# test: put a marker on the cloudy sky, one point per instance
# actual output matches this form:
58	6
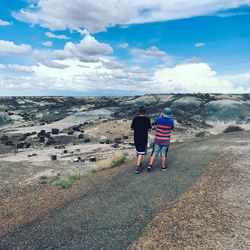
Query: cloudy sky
110	47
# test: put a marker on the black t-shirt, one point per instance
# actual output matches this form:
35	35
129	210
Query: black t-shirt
141	125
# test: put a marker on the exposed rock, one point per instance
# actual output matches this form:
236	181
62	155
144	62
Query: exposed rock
27	145
65	151
108	141
115	145
125	137
118	140
41	139
50	141
76	129
55	131
41	133
77	159
92	159
81	136
4	138
87	140
70	132
20	144
47	135
9	143
102	142
31	155
22	137
53	157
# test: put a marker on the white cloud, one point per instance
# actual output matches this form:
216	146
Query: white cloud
150	52
135	69
48	44
51	35
201	44
97	16
81	76
240	80
88	50
2	66
83	32
21	68
193	59
193	77
112	64
4	23
123	45
9	48
46	59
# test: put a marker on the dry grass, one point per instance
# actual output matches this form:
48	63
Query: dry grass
118	159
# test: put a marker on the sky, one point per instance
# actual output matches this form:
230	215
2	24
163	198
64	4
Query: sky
110	47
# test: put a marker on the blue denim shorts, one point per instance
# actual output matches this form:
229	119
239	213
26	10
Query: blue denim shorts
161	150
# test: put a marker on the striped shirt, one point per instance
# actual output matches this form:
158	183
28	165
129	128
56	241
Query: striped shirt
164	127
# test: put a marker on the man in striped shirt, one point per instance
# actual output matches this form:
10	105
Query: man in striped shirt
164	126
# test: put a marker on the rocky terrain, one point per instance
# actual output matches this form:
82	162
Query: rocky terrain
45	138
38	132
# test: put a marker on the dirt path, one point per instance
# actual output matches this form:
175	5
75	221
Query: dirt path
115	214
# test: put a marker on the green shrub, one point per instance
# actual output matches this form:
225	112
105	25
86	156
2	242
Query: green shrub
74	176
201	134
67	181
64	183
232	128
43	179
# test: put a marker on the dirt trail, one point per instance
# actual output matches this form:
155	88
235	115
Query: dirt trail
115	214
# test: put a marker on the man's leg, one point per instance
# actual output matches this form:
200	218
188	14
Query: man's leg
138	160
153	156
164	154
163	162
152	159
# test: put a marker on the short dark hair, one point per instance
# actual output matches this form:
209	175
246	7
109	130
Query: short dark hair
142	110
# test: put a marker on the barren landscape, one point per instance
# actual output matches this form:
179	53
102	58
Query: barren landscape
45	139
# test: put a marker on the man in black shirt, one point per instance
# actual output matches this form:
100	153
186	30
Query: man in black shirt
141	125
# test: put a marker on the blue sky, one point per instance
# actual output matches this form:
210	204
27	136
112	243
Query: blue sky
47	48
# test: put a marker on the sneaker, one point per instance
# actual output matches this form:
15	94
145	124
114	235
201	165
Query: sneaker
137	170
164	169
149	168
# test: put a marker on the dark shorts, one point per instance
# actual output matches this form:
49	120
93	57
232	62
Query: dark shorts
141	149
161	150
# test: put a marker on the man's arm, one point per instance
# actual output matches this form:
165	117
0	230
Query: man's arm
172	124
132	127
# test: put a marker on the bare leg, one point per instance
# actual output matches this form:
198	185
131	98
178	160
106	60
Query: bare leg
163	162
138	160
152	159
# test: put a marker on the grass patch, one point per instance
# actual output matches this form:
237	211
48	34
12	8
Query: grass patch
232	128
118	159
177	142
67	181
201	134
43	179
